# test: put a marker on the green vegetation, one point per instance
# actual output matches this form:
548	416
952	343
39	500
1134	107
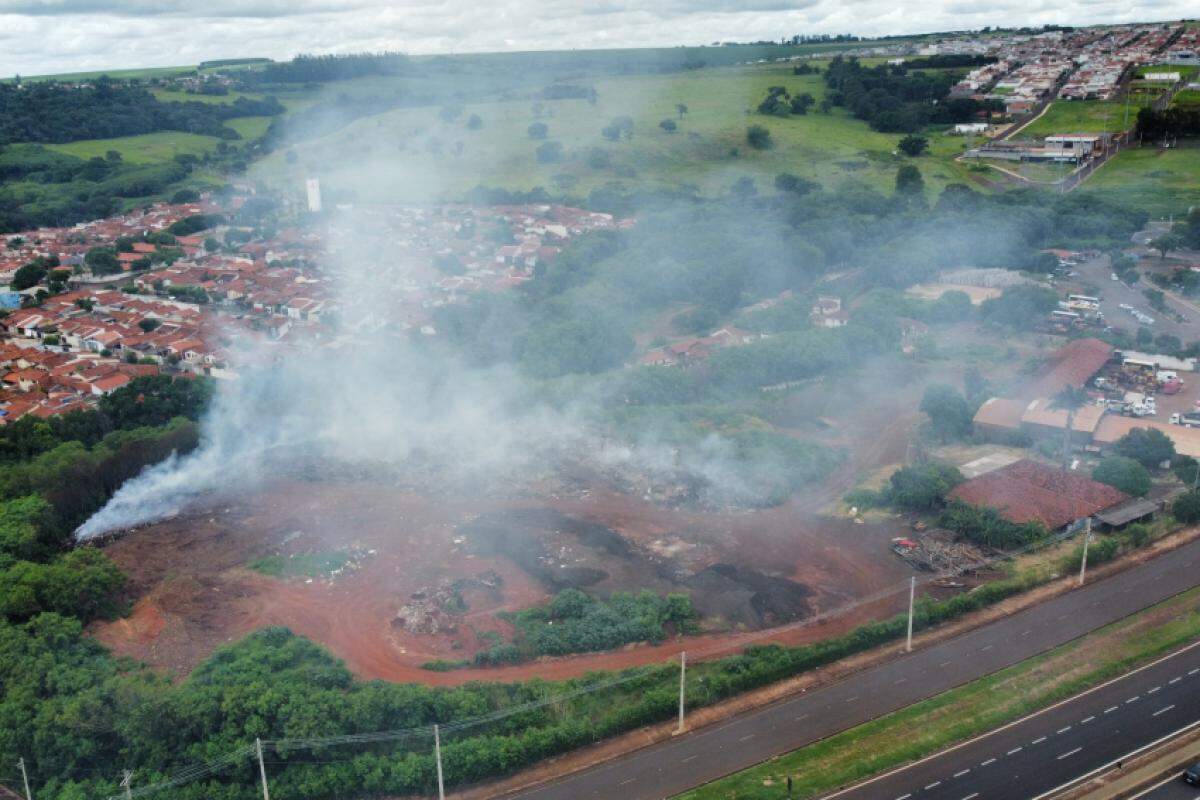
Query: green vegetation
574	622
985	526
1080	116
1162	182
981	705
305	565
146	148
1123	473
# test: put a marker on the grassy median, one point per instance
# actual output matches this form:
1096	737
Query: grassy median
969	710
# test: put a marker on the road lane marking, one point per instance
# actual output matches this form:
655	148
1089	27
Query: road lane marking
851	699
1174	680
627	780
1039	740
1132	699
1069	753
1061	731
902	680
747	736
989	761
971	796
1014	750
802	716
933	785
989	647
1026	633
1110	710
689	758
944	664
960	773
904	796
1193	671
1155	689
1163	710
1086	720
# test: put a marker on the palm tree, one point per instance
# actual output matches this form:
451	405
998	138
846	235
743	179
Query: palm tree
1070	399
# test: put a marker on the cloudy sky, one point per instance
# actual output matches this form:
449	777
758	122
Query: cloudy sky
48	36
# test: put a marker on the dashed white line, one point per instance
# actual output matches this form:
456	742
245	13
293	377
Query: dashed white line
1086	720
960	773
1061	731
1193	671
971	796
1014	750
902	680
933	785
984	649
904	796
627	780
1069	753
1155	689
802	716
944	664
851	699
1111	709
1163	710
1026	633
747	736
1039	740
1174	680
1133	699
689	758
989	761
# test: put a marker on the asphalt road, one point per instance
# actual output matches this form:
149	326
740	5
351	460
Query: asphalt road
1114	293
692	759
1172	789
1052	748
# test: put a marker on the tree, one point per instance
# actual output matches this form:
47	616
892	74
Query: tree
148	324
950	416
922	487
1148	446
801	103
102	260
681	109
759	137
28	276
909	182
668	125
787	182
1123	473
1186	507
538	130
913	144
1069	399
549	153
1019	306
1166	243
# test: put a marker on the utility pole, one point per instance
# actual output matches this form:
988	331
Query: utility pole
25	778
912	597
126	780
682	675
262	768
1087	537
437	752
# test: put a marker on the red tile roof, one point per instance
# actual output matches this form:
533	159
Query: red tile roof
1026	491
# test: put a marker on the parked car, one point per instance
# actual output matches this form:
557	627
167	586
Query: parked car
1192	774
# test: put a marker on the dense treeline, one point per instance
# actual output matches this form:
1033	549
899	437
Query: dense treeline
894	99
1174	121
324	68
55	113
948	61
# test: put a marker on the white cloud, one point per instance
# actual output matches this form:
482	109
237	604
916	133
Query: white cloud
47	36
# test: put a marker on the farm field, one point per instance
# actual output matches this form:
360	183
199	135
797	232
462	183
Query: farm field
146	148
1080	116
412	155
1161	181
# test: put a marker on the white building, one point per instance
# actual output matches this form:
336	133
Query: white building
314	194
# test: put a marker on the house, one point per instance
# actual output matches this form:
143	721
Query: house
1028	491
109	383
1075	144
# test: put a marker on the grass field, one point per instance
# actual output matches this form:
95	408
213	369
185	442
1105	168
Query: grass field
147	72
396	153
144	149
1161	181
250	127
971	709
1187	97
1081	116
173	96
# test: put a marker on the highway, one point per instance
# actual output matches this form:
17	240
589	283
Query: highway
1051	748
1172	789
692	759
